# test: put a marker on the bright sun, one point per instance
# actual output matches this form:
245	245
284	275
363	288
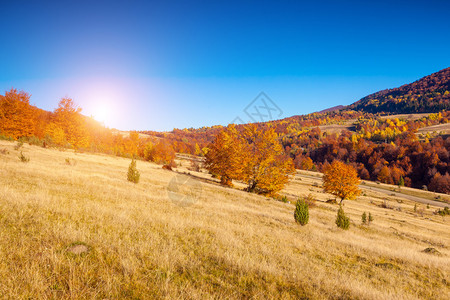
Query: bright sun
102	112
102	97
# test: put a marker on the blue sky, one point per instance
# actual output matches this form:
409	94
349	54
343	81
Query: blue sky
157	65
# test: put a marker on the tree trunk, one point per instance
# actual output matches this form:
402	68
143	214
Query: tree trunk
251	185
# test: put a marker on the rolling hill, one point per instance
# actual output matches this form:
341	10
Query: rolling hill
428	94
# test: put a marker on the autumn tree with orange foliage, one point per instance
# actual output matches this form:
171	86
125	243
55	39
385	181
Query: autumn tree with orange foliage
223	157
16	114
385	175
254	156
164	153
440	183
304	163
341	180
266	165
67	125
132	144
161	153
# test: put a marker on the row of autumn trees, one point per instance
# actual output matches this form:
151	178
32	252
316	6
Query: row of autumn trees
256	157
249	154
67	127
19	119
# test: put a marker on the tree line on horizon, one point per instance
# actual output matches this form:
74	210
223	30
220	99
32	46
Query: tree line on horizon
66	127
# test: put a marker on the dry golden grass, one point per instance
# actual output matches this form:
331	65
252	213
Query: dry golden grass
443	129
440	197
336	128
126	134
405	116
83	231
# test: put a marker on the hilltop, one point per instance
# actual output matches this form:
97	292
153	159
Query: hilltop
428	94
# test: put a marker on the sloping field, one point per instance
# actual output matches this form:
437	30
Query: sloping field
126	134
408	117
443	129
72	226
335	128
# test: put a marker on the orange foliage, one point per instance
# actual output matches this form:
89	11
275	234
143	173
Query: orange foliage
161	153
223	158
253	156
341	180
385	175
266	166
440	183
307	164
16	114
67	125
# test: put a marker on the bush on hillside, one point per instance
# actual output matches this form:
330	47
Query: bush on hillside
310	200
364	218
133	174
71	161
342	221
301	214
444	212
23	158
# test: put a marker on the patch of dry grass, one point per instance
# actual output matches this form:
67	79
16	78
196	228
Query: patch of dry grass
409	117
132	241
410	191
442	130
336	128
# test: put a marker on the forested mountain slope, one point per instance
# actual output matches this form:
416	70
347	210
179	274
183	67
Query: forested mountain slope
428	94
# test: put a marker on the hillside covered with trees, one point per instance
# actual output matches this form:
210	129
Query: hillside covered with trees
428	94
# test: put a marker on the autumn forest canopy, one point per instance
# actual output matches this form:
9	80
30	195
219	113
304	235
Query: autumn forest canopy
263	155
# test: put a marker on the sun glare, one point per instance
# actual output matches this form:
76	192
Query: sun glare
100	103
101	112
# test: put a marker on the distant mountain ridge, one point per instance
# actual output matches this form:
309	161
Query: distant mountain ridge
331	109
428	94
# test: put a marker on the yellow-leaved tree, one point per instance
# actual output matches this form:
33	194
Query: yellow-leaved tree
223	158
56	133
67	118
253	156
266	167
341	180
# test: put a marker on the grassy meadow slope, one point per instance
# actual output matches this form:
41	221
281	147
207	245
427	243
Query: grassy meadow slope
137	243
